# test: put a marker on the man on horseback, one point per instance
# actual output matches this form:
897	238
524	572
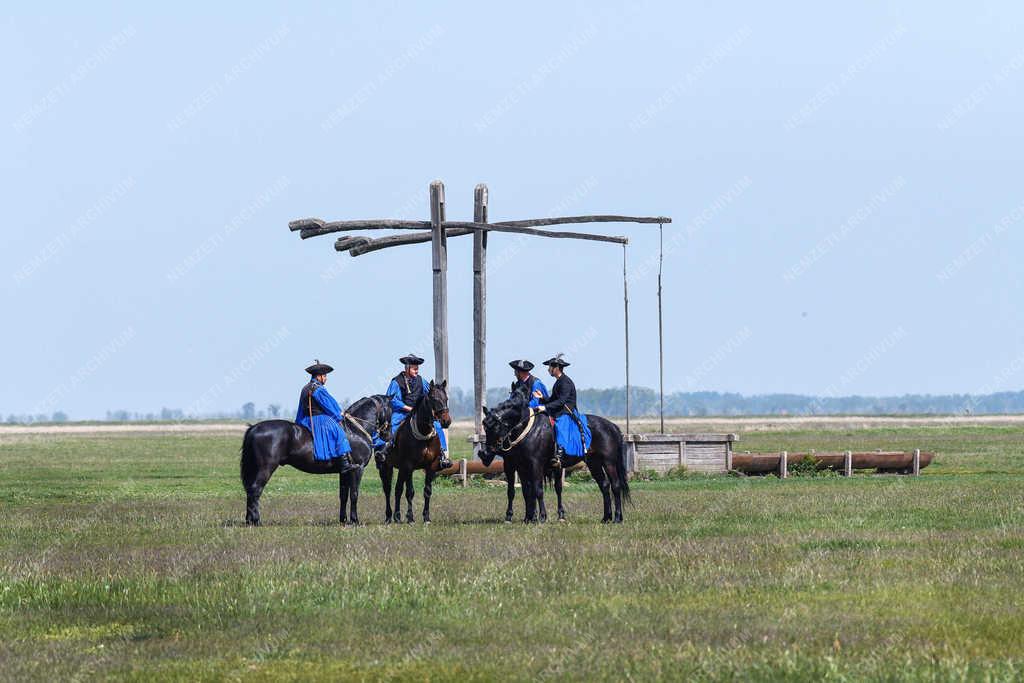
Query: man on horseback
321	415
405	391
524	378
572	434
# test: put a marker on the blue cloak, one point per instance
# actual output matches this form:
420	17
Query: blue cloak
329	439
567	434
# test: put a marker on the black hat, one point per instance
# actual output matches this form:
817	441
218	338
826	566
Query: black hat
523	365
319	368
557	361
411	359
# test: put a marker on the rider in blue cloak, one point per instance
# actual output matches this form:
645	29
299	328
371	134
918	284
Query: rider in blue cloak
321	415
572	433
405	390
524	378
533	386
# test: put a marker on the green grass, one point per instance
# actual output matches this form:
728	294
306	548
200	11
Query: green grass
123	557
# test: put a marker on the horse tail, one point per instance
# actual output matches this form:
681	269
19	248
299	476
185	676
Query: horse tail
247	460
622	473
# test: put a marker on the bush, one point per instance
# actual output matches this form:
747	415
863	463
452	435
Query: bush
808	467
646	475
579	476
677	472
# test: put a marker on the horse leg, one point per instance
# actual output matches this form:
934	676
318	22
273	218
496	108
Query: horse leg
558	492
613	478
344	484
597	472
399	484
357	480
428	488
510	485
529	500
386	473
410	492
253	491
540	500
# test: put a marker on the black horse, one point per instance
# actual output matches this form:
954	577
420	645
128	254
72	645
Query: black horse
415	447
268	445
526	446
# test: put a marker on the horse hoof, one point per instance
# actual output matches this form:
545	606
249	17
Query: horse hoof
606	520
426	522
561	518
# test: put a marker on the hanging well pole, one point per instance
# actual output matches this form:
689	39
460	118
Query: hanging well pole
661	339
479	308
439	262
625	303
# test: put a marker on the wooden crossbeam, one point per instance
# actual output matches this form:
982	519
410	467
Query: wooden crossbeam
314	227
464	228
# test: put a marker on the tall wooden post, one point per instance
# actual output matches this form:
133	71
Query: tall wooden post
439	261
479	307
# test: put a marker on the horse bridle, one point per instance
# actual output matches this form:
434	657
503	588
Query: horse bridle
507	443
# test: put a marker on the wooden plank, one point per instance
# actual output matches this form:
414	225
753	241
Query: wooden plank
480	201
439	263
783	465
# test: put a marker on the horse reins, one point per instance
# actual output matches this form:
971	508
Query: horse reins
522	435
355	423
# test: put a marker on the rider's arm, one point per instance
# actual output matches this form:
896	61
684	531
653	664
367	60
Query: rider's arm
327	402
538	386
395	394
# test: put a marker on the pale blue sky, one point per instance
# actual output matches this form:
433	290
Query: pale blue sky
837	177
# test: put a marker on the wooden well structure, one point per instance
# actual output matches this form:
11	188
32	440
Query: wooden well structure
700	452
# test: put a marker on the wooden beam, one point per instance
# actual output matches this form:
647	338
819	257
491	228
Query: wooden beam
480	199
439	263
459	228
314	227
392	241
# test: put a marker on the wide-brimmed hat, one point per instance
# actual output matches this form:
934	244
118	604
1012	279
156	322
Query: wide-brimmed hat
558	361
522	365
411	359
319	368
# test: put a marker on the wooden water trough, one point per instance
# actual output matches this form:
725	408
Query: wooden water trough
885	462
707	453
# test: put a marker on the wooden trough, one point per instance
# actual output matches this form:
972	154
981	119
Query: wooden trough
889	462
707	453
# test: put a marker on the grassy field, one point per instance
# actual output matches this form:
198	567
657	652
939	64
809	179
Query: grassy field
122	556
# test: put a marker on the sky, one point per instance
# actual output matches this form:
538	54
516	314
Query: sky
843	182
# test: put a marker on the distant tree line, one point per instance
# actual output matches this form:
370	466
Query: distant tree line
644	402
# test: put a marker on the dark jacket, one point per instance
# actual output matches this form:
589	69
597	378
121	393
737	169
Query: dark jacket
563	397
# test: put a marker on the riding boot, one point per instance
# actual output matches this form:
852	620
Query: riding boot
345	464
445	462
556	459
380	456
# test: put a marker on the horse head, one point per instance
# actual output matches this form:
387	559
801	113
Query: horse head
383	412
499	422
437	398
